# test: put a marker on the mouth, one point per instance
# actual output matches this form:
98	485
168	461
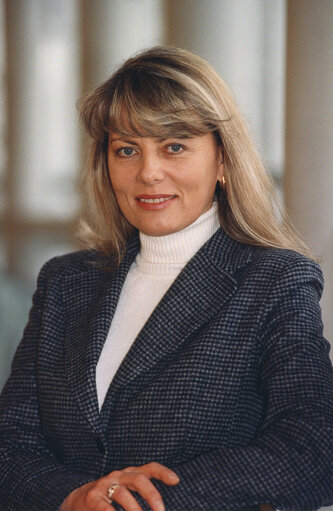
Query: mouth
155	199
151	202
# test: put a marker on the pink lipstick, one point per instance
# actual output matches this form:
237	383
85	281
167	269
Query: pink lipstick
155	202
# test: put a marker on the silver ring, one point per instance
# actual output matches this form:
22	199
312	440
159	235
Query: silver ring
111	491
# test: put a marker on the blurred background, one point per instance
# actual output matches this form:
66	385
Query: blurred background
275	55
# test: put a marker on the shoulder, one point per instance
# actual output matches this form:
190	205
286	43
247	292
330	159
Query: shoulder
282	273
77	261
88	261
263	266
284	265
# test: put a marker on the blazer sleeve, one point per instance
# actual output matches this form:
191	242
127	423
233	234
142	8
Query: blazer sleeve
289	463
31	478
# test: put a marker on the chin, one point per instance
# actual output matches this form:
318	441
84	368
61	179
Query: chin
159	231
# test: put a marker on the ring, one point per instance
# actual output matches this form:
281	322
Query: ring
111	491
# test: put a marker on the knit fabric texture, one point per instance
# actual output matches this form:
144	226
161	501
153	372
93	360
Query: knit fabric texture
229	383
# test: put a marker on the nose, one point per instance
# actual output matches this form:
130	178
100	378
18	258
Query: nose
151	168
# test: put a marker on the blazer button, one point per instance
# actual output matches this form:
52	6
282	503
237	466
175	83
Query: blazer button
100	446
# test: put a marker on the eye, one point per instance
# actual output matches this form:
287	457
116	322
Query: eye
125	152
174	148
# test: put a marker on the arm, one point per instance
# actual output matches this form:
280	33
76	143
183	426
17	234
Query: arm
31	479
289	464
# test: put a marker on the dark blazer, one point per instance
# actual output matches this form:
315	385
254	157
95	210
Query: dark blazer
229	383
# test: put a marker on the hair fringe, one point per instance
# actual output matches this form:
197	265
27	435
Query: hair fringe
167	91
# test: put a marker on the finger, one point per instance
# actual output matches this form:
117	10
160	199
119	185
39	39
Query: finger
97	502
124	497
90	497
157	471
137	481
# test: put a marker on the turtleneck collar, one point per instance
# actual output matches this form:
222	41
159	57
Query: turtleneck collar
165	254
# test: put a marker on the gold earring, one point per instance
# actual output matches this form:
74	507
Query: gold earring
222	182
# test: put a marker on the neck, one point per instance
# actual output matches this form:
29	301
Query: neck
178	248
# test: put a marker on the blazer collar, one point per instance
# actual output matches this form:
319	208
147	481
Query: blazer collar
200	290
227	253
90	299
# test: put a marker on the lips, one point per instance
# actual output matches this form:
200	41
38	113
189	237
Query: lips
154	201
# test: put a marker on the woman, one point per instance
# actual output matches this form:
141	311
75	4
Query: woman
180	363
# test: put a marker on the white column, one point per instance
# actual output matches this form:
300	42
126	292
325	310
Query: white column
273	69
244	41
309	133
3	112
43	65
114	30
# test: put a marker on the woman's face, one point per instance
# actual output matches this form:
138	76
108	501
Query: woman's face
163	185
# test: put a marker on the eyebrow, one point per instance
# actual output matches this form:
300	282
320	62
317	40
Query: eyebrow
132	142
122	139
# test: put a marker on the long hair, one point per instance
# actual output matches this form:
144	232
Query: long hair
170	92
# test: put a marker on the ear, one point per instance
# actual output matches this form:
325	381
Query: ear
220	170
220	158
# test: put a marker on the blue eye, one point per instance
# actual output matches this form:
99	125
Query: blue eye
126	151
175	148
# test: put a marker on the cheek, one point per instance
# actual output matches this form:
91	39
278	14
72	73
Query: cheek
205	184
118	184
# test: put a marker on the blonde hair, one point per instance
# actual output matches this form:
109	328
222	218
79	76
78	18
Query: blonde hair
165	92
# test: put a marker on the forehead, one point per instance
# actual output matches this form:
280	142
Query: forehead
138	116
114	136
132	130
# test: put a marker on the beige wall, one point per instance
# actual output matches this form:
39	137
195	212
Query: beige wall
309	133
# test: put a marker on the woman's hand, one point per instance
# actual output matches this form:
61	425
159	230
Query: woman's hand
93	496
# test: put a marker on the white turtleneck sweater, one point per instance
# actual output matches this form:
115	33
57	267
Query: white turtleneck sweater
160	260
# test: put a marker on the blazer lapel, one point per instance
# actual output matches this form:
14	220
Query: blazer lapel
90	300
200	290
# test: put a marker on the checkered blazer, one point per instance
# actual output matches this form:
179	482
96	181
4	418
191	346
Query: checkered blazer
229	383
